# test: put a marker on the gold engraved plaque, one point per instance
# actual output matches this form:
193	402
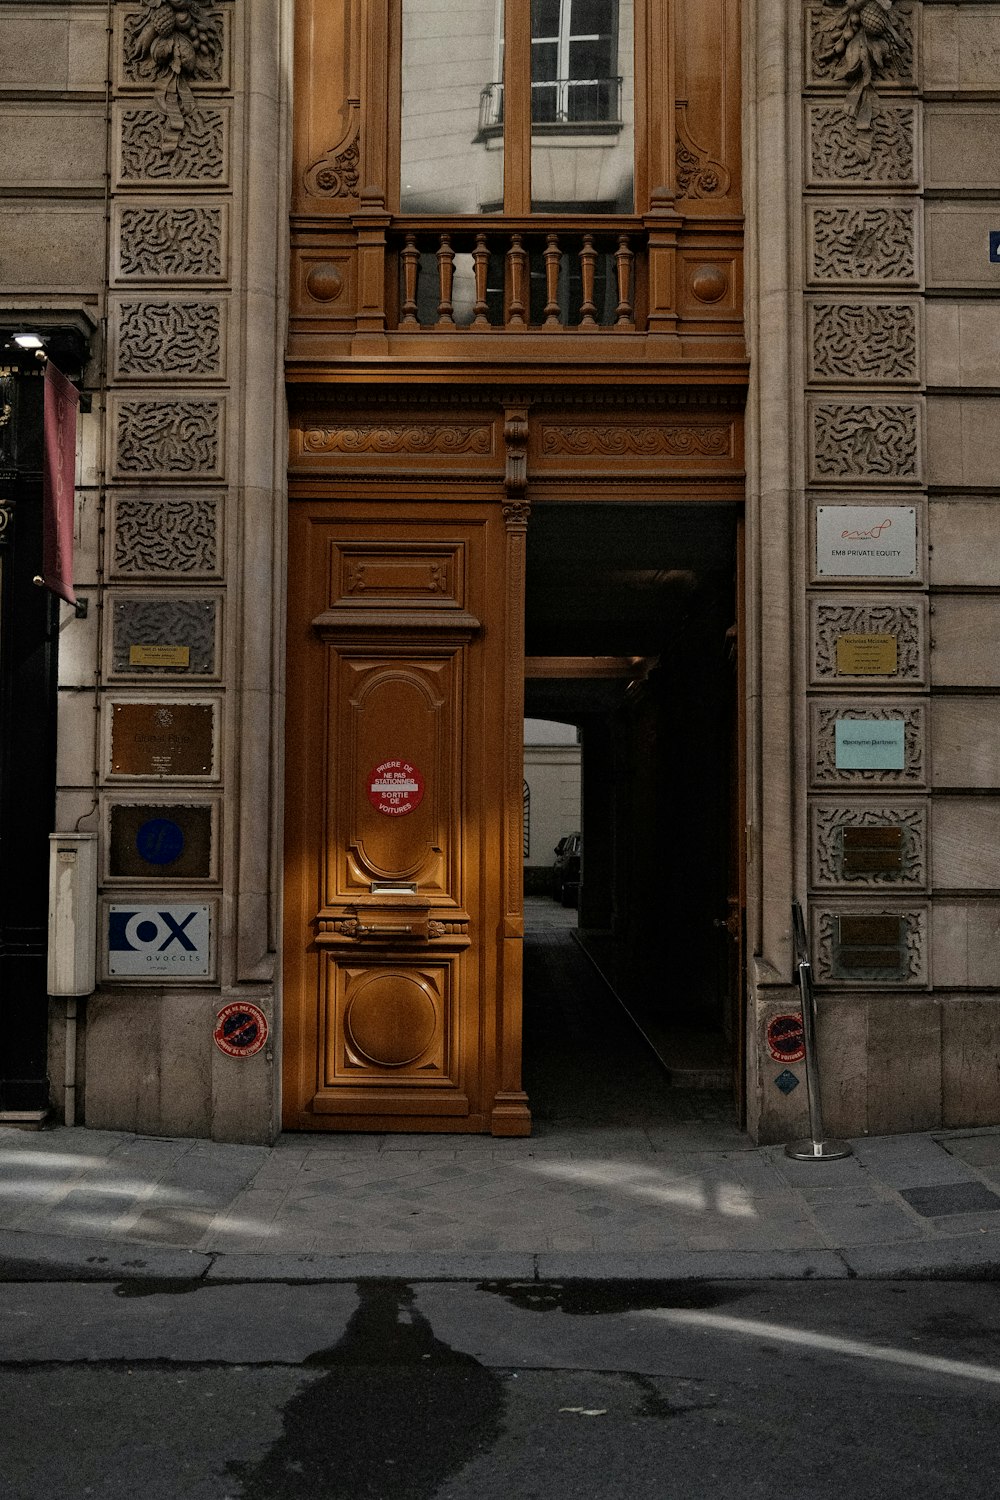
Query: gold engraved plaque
159	656
162	739
867	655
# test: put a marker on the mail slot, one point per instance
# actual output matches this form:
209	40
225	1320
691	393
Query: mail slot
872	850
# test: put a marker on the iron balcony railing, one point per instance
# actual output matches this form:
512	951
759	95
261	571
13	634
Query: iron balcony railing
559	103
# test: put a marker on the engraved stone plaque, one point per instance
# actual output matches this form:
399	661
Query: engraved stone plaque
867	849
866	655
162	739
163	840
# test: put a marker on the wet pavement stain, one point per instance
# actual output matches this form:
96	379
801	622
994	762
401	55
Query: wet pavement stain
394	1414
605	1298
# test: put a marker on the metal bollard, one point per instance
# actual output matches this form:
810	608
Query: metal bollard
818	1148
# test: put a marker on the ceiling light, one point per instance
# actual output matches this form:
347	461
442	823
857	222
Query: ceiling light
28	341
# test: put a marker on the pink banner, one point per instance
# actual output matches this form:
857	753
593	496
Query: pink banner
58	483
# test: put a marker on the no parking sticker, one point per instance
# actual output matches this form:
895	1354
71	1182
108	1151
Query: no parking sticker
395	788
240	1029
785	1038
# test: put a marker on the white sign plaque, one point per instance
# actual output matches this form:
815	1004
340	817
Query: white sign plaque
866	541
155	940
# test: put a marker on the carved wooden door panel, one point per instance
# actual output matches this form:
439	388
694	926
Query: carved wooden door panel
394	976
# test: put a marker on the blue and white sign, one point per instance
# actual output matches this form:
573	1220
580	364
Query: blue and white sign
870	744
995	247
156	941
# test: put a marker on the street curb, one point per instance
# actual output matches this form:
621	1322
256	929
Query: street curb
36	1257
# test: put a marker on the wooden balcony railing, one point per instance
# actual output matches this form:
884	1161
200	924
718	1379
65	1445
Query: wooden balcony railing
516	278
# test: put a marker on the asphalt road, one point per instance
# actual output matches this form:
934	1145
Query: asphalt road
454	1391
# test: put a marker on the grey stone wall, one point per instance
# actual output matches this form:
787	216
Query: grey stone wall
891	186
158	200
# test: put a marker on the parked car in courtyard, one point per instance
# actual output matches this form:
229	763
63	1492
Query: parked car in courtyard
566	870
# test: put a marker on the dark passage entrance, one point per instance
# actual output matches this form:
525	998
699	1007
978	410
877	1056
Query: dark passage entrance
631	635
585	1061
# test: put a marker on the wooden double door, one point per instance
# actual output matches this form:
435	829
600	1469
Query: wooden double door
403	907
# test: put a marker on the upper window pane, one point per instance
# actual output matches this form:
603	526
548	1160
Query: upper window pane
583	136
451	158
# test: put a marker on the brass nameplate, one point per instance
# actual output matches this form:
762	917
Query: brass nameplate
872	850
870	942
867	655
162	739
159	656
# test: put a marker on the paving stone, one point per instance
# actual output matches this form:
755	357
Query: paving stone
976	1150
954	1198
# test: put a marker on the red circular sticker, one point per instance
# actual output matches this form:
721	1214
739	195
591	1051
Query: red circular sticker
785	1038
395	788
240	1029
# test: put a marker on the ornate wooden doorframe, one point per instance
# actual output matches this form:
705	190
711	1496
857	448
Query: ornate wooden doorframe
404	920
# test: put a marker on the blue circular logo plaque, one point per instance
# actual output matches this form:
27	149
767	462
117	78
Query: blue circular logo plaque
159	841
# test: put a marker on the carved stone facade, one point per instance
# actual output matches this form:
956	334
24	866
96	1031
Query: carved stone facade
175	242
899	621
876	441
869	175
828	869
156	536
862	243
164	338
875	343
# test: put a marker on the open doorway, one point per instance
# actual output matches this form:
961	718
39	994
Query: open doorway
631	642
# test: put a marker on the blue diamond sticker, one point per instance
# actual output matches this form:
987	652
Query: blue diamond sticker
786	1081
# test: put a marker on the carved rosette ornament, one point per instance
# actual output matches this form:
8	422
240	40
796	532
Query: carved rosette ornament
179	41
860	43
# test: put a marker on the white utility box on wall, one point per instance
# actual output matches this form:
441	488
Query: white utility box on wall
72	967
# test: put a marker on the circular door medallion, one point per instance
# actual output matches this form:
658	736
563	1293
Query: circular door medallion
390	1020
395	788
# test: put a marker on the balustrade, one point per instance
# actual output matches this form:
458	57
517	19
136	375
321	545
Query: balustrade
516	279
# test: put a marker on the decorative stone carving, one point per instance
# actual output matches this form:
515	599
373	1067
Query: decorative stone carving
169	437
168	337
162	536
707	440
860	43
877	441
198	155
841	151
337	172
383	438
171	44
835	615
827	819
176	620
862	243
870	342
176	242
914	956
698	176
823	718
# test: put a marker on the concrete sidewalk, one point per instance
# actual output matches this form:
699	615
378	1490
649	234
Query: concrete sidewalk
677	1200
